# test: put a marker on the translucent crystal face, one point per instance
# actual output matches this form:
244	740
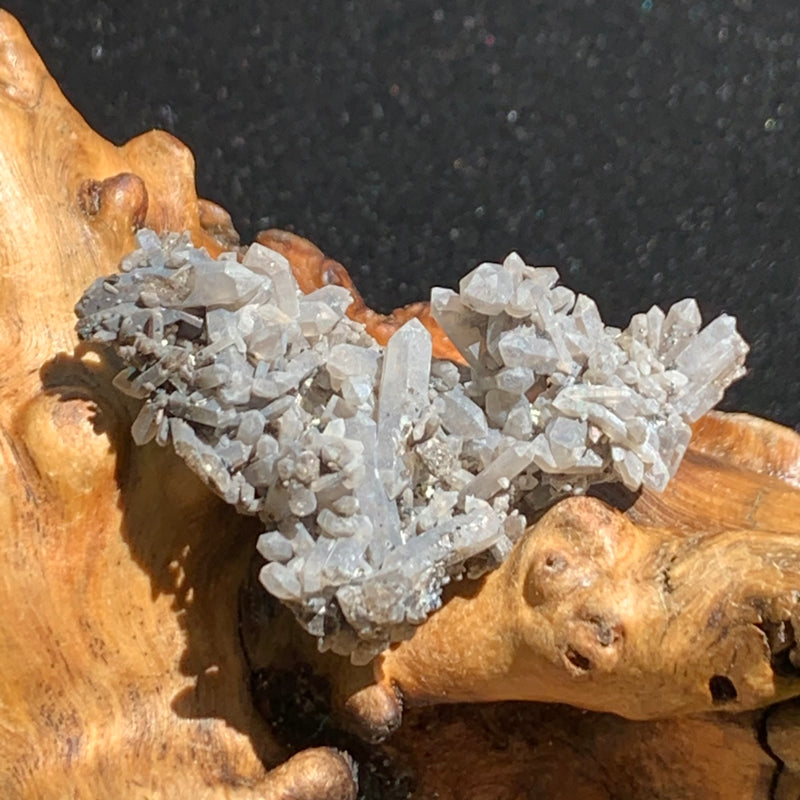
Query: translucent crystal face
381	473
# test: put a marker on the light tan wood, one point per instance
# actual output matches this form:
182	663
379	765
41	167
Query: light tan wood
123	674
598	612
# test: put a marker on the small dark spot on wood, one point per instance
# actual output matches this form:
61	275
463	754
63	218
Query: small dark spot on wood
783	647
605	633
578	660
73	747
665	576
89	197
555	562
722	689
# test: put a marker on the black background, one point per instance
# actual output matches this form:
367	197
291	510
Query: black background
648	148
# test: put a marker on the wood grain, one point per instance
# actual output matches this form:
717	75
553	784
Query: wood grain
124	672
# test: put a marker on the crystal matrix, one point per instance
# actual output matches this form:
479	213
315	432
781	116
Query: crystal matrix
380	473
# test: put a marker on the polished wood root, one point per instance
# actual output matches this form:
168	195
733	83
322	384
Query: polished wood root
122	674
134	647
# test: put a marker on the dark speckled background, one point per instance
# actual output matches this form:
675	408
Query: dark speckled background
651	149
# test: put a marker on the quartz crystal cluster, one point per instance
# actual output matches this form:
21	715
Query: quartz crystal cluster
381	473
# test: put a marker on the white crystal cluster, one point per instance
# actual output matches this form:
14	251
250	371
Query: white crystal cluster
591	402
380	473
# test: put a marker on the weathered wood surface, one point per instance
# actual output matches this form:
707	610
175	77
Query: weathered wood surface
122	674
123	671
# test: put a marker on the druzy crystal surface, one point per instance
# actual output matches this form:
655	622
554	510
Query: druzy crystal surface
380	474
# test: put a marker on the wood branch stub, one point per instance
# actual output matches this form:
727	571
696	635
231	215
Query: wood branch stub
595	611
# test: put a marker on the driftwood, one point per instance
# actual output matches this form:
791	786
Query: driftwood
124	673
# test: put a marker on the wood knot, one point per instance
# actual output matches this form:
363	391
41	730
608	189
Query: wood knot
119	200
592	642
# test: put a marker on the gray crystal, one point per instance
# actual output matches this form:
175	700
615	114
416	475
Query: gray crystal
234	453
475	532
334	525
526	294
715	352
296	532
346	506
591	462
267	262
261	472
681	324
543	455
461	416
439	509
461	324
306	468
440	454
444	375
270	385
380	474
567	439
302	501
269	338
316	318
229	287
358	392
347	561
497	475
313	577
347	360
211	376
251	426
562	299
280	581
370	492
523	348
335	297
628	466
237	388
587	317
403	395
145	425
122	381
198	455
274	546
514	380
519	422
499	405
487	289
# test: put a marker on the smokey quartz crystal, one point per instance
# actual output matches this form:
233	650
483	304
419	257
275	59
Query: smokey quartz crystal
381	474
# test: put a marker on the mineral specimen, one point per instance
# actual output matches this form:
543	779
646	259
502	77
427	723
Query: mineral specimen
382	474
